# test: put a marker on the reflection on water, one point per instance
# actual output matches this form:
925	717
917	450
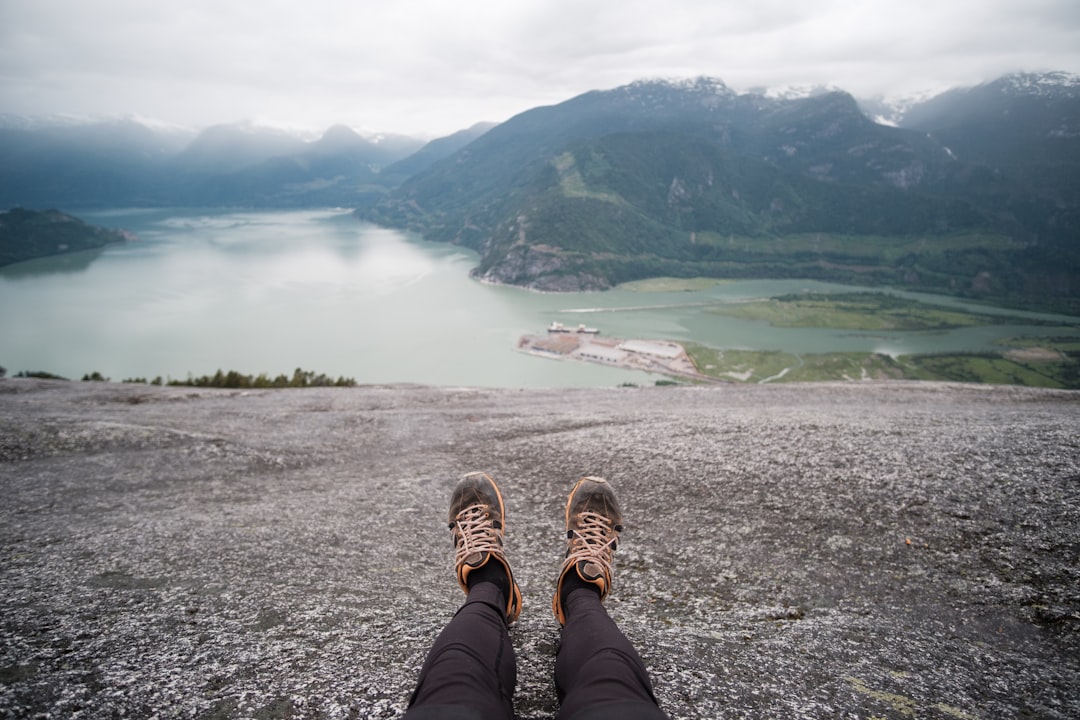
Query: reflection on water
272	291
75	262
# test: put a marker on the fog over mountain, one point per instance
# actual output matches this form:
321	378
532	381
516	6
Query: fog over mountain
61	160
126	163
428	68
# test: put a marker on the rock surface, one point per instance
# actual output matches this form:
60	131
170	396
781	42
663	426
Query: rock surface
834	550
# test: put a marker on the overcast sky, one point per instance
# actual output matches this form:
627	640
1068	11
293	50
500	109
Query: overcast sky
434	66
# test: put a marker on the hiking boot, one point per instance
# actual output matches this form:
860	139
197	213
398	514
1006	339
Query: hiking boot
593	524
476	527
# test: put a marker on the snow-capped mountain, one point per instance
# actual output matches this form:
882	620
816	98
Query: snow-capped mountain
916	110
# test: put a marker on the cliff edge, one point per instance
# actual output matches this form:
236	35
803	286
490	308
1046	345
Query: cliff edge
801	551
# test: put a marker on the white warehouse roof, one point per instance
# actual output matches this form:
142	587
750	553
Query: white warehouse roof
659	349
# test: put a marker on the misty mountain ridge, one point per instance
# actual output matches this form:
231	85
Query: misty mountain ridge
1049	85
127	163
76	162
892	109
232	147
434	151
46	158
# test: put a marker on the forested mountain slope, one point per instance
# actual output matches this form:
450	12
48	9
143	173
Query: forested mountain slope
693	178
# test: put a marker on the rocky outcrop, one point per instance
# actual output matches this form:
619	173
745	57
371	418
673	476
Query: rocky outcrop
538	268
798	551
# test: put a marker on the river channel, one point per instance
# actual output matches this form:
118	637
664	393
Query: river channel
202	290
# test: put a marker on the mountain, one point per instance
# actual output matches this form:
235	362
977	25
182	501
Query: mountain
127	163
227	148
435	150
973	192
268	168
27	234
693	178
82	164
1017	140
1024	126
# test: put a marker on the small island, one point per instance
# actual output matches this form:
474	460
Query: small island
28	234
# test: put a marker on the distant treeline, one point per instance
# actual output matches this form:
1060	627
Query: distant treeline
221	379
233	379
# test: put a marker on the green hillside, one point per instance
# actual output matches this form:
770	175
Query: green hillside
693	179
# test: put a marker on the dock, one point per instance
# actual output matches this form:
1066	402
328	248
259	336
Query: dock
663	357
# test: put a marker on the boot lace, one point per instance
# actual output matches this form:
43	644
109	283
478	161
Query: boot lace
475	532
593	540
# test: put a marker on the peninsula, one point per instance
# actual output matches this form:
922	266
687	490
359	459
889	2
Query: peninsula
28	234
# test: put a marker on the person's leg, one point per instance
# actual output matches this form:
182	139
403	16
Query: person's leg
597	667
470	671
471	665
598	673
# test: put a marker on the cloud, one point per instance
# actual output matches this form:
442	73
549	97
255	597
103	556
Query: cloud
431	66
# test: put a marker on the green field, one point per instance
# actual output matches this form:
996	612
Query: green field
880	250
760	366
1045	361
854	311
670	284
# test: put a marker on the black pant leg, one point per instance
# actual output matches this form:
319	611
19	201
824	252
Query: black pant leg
597	668
470	671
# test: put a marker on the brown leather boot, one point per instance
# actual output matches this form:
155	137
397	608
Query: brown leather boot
476	527
593	524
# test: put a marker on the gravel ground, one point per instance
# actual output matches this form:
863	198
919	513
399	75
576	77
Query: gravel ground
831	550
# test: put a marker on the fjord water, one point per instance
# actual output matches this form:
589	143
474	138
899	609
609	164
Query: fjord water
273	291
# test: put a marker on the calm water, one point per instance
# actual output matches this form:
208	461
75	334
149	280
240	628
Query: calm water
272	291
